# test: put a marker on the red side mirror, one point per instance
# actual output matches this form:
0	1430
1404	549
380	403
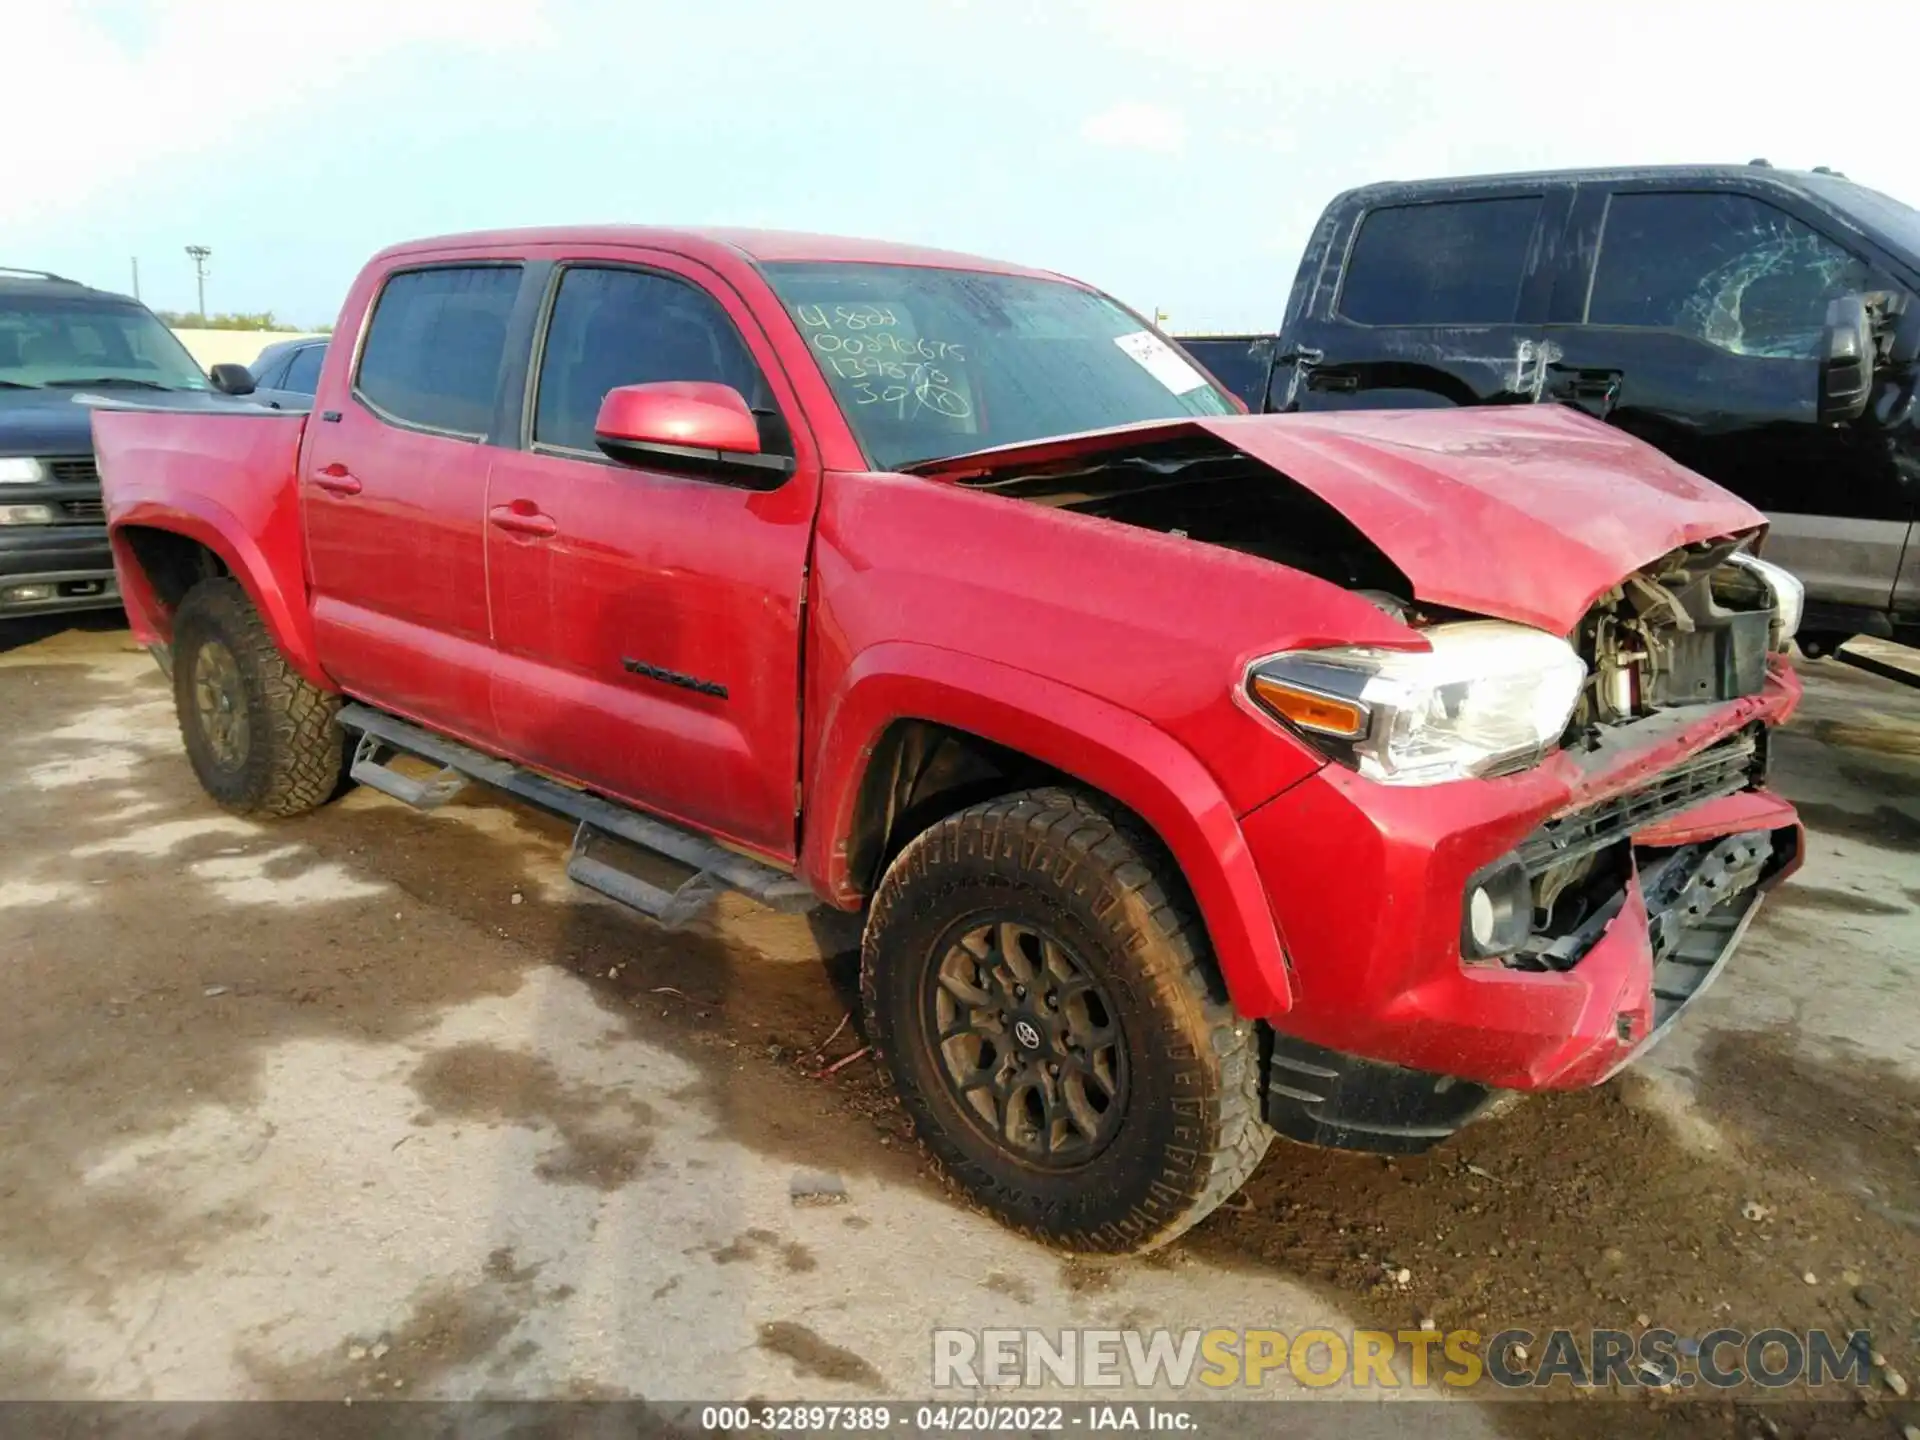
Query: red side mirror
696	414
687	425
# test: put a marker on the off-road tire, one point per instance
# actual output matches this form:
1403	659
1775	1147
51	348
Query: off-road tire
296	754
1191	1131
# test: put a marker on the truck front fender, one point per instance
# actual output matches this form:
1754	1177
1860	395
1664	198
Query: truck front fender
1107	748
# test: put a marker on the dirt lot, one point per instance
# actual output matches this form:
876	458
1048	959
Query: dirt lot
376	1103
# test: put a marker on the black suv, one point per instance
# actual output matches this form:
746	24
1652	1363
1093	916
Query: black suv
1759	325
63	346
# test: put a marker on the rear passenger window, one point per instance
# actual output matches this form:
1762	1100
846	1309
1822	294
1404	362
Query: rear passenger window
303	375
432	354
630	327
1727	269
1451	263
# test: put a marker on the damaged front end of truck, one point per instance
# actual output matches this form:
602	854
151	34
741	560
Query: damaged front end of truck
1695	629
1543	825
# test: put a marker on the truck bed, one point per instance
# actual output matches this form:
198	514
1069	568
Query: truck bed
226	457
225	478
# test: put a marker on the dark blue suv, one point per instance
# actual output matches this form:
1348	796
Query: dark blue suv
63	348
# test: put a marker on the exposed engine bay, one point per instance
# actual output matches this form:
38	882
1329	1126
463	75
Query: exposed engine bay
1212	493
1692	628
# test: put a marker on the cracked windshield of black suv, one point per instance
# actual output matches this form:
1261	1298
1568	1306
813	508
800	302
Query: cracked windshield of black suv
928	363
59	338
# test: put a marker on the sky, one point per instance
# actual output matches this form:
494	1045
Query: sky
1173	152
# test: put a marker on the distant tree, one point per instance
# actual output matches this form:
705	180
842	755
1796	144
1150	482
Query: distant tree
188	320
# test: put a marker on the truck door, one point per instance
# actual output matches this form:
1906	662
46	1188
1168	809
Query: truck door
1434	301
647	621
1694	322
393	487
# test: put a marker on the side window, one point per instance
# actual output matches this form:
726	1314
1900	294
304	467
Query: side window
630	327
432	353
303	374
1445	263
1239	364
266	369
1727	269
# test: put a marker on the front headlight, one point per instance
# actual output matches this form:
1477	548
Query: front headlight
26	514
21	470
1487	697
1789	596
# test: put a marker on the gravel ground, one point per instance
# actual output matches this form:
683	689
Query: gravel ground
376	1103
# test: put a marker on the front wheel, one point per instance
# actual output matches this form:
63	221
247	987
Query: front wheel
1042	992
261	739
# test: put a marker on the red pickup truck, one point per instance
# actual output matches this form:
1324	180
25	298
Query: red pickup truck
1202	775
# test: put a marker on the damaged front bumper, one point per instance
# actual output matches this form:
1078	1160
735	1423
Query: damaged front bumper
1396	1038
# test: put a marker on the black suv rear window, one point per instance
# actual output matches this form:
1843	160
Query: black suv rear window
1445	263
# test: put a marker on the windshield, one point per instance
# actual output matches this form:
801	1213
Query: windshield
1899	222
70	340
930	363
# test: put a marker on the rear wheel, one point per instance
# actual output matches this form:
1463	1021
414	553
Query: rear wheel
1037	983
261	739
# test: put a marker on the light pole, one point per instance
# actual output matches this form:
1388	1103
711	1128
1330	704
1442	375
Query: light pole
200	254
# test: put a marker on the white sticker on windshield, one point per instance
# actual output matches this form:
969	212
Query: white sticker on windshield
1161	361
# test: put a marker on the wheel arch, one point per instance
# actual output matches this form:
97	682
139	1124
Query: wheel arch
992	729
159	552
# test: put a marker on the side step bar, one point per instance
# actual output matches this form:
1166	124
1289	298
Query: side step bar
716	868
1875	665
671	908
369	768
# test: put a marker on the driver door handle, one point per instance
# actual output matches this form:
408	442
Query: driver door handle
335	479
520	518
1599	386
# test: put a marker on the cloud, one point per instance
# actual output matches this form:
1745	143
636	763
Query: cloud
1135	125
114	89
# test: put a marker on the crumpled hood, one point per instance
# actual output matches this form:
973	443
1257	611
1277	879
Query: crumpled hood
1522	513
